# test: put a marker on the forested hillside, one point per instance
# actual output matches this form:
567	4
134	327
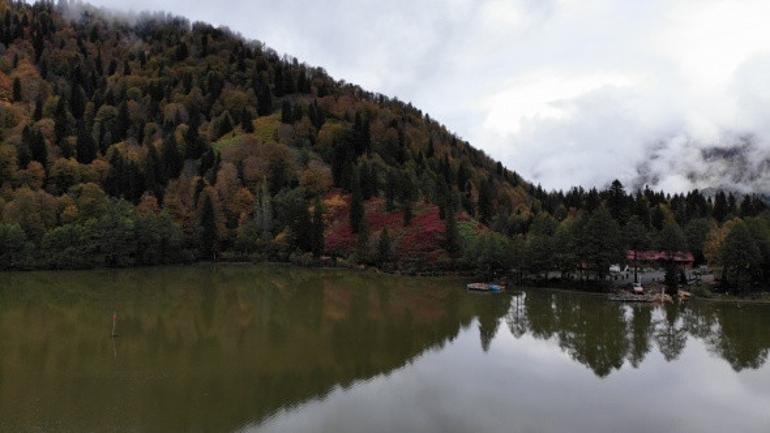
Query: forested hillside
150	140
204	143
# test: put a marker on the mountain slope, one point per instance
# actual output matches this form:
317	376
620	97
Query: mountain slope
217	143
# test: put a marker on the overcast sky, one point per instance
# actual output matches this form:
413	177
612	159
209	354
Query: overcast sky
563	91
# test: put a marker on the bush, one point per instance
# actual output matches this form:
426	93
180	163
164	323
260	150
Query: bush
15	251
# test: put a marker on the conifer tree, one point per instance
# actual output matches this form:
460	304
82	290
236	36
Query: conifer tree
384	247
37	147
266	212
122	122
208	229
636	240
407	198
732	205
16	90
194	144
301	225
286	112
362	242
171	159
318	229
316	115
616	202
264	98
115	182
23	153
155	173
86	148
225	125
38	113
356	204
77	101
247	122
485	201
720	207
451	234
391	187
181	51
61	121
431	149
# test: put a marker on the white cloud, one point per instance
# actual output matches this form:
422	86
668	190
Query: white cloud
563	91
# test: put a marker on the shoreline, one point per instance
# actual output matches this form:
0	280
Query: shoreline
761	298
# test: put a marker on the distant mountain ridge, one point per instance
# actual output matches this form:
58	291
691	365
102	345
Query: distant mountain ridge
738	164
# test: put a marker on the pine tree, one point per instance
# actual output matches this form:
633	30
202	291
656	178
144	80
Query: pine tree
208	229
369	180
37	147
23	153
86	148
362	242
16	90
431	149
720	207
316	115
195	147
267	212
318	229
732	205
740	256
747	207
181	52
616	202
264	98
391	187
122	122
343	162
38	113
301	225
61	121
77	101
155	172
384	247
225	125
286	112
356	204
200	185
171	159
636	240
485	202
407	198
361	134
451	233
247	122
671	240
115	182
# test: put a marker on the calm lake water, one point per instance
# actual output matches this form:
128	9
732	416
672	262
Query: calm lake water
281	349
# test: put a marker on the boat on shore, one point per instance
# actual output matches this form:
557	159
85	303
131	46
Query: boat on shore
485	287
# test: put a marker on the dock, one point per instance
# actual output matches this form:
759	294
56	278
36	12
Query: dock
659	298
629	297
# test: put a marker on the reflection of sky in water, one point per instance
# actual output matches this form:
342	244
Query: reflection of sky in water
531	385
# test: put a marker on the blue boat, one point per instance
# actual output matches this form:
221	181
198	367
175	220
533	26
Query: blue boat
485	287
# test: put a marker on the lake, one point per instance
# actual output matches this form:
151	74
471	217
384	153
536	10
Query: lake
266	348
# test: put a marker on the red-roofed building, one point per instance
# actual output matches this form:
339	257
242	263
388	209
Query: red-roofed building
682	258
